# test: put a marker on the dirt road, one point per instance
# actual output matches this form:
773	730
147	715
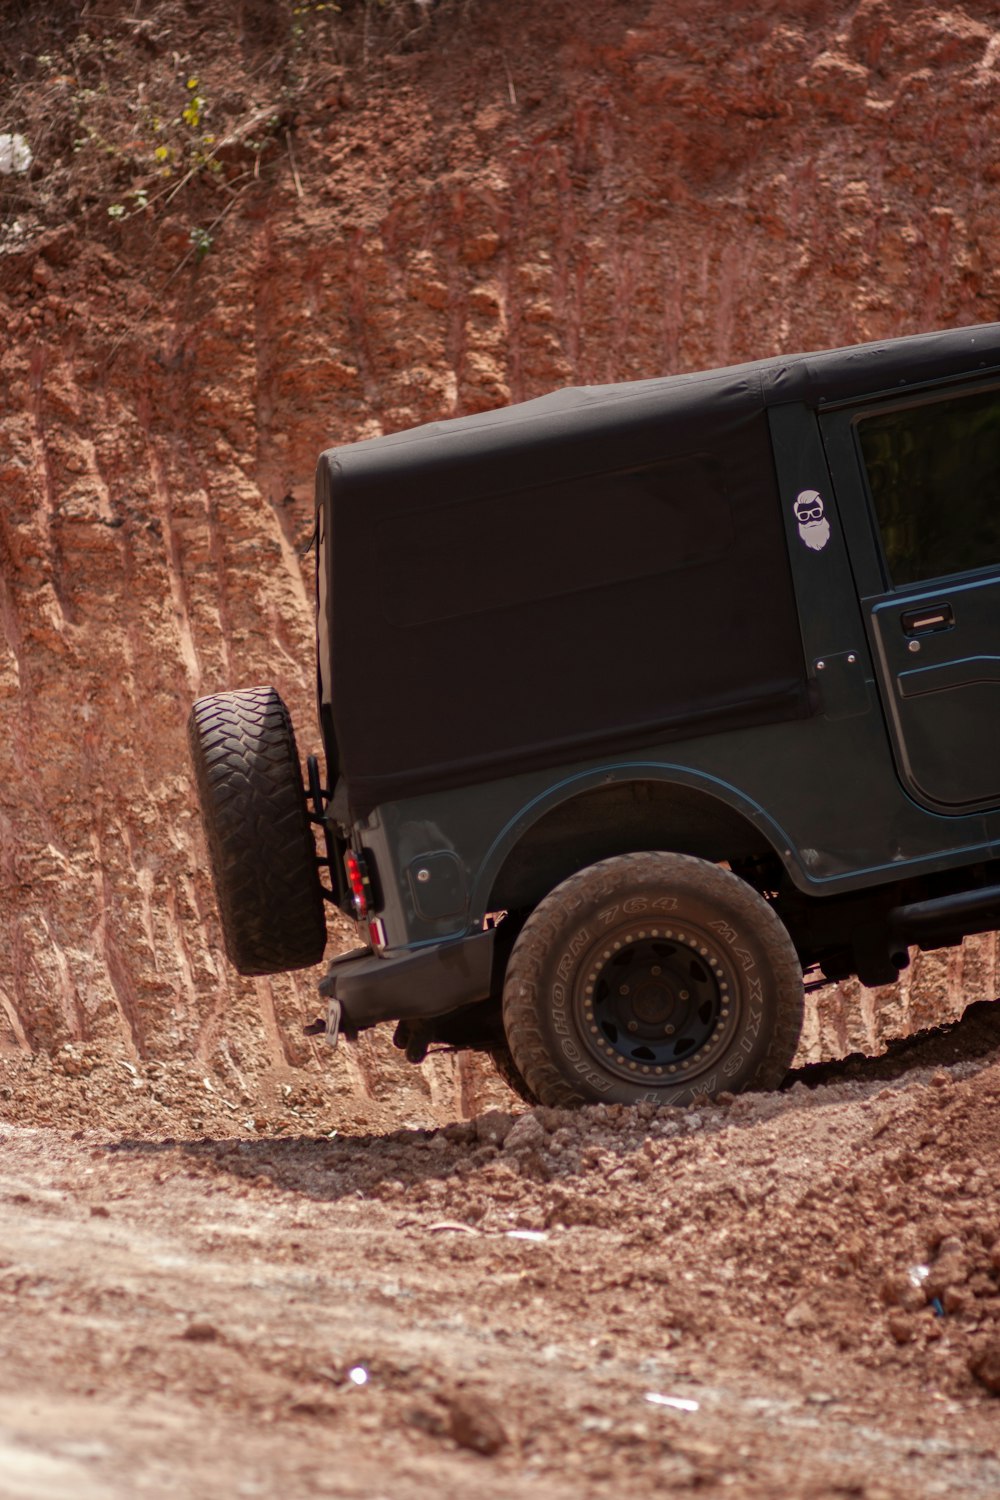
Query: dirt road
533	1303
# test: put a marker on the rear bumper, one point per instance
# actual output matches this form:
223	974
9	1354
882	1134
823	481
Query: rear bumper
411	985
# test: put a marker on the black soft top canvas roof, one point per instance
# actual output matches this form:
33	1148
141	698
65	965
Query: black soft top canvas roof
579	575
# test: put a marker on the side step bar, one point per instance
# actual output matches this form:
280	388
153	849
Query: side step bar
946	913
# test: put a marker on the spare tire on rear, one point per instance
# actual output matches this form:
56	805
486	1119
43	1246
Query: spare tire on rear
259	839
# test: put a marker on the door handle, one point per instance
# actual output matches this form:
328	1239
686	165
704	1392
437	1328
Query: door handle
926	621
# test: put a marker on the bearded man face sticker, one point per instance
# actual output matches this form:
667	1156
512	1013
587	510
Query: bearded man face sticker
814	528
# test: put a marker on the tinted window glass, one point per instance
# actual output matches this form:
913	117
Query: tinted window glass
934	475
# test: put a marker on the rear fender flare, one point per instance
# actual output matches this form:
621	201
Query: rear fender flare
720	791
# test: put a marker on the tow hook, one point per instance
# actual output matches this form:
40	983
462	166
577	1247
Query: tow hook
327	1026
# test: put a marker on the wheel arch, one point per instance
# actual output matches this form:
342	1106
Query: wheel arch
621	810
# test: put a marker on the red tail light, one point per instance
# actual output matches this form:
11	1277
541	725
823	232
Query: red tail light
357	879
357	882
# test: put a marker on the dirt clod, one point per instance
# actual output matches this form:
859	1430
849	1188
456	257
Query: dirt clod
801	1315
473	1423
493	1127
201	1332
902	1327
985	1366
526	1134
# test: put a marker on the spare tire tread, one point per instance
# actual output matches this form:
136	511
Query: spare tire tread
260	842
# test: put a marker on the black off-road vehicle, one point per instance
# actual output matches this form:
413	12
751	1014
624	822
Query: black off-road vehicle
637	702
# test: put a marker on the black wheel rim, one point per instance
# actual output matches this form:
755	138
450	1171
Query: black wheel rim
658	1005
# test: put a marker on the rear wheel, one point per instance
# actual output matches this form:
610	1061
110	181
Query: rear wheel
261	846
652	977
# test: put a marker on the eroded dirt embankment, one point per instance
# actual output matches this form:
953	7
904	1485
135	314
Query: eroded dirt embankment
352	237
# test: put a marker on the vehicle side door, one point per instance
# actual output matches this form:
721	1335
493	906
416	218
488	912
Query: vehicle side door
918	479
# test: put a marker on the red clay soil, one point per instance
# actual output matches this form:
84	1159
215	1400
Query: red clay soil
785	1295
250	231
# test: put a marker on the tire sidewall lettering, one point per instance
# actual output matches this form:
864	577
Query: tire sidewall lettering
727	933
565	1031
577	943
565	1040
637	906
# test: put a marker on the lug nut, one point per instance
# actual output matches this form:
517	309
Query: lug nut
685	995
623	989
633	1026
656	970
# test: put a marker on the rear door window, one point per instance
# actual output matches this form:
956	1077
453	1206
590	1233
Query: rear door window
933	471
